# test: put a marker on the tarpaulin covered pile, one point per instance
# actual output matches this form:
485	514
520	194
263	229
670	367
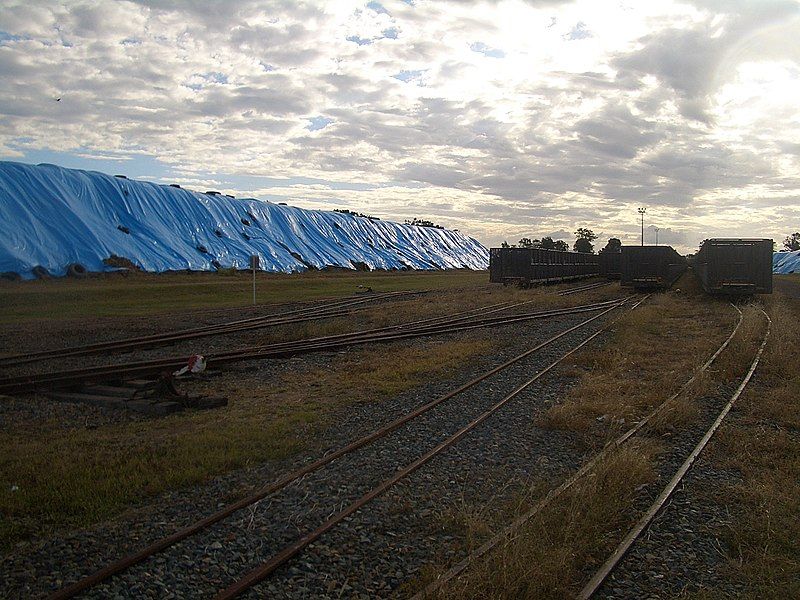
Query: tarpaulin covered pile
53	217
786	262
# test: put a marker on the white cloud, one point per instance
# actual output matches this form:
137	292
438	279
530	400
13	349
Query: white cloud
503	118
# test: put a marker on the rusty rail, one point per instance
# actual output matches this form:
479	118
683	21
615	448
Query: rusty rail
37	381
633	535
312	313
160	545
508	533
267	568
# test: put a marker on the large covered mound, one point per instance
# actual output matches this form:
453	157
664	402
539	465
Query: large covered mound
786	262
53	217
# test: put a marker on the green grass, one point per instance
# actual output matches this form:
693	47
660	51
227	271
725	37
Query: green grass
147	294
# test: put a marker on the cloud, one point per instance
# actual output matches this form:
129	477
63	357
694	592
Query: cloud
495	117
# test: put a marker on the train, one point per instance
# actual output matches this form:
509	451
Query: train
729	266
735	266
610	263
650	267
526	266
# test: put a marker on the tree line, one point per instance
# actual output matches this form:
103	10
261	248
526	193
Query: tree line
583	243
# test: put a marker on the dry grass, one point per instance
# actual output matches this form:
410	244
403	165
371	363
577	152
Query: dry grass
147	293
648	355
54	478
547	557
761	442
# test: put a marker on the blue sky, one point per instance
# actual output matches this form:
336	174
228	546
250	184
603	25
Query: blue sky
502	118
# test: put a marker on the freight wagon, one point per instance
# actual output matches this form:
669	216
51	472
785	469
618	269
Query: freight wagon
650	267
735	266
610	262
525	266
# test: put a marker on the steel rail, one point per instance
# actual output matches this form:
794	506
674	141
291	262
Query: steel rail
268	567
296	316
508	532
26	382
160	545
32	382
633	535
584	288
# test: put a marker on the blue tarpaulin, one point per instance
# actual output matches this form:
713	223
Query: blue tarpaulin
53	217
786	262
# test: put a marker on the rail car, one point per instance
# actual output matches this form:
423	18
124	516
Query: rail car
650	267
733	266
610	262
526	266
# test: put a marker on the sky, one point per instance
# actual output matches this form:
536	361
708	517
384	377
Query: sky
503	119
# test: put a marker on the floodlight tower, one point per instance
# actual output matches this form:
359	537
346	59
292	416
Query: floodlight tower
641	212
656	228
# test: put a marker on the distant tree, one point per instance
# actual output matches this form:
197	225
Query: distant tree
561	245
347	211
792	242
613	245
505	244
547	243
585	234
423	223
584	241
527	243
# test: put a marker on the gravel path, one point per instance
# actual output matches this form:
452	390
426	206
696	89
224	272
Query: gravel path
377	553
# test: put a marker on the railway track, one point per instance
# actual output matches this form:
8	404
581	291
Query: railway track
337	308
584	288
635	533
423	416
29	383
599	577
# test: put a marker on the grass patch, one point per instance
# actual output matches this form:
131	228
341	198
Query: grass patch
761	442
147	293
547	557
54	478
648	354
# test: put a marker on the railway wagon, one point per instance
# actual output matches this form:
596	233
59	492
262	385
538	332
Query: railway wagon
650	267
525	266
610	262
735	266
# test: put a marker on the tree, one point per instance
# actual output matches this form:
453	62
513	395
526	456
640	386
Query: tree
585	234
792	242
423	223
547	243
528	243
561	245
613	245
584	241
505	244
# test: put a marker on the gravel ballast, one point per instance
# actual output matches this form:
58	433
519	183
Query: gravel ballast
381	546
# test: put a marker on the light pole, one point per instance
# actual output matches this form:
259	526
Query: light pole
656	228
641	212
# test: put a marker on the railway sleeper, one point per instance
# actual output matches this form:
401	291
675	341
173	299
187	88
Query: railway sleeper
150	397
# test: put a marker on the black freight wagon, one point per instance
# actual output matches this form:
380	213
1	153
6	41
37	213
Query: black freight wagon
610	263
650	267
735	266
525	266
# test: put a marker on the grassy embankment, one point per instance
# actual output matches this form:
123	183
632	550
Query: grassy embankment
67	475
648	355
